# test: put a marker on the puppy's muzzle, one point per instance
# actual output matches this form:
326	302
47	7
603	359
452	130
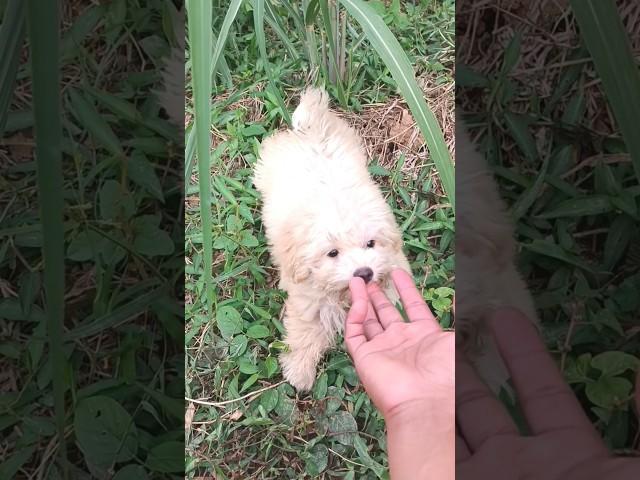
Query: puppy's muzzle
364	273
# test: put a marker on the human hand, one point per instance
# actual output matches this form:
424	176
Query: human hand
564	444
408	371
399	364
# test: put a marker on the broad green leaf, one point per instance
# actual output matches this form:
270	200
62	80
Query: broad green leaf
115	202
577	370
607	392
120	107
320	387
548	249
229	321
143	174
258	331
614	363
247	366
131	472
342	427
168	457
467	77
511	55
580	207
105	431
11	309
269	399
12	464
238	346
617	240
248	239
518	125
316	459
29	289
96	125
150	240
270	366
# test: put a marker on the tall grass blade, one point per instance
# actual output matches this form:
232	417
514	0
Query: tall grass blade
258	22
311	9
222	68
43	26
604	35
398	64
275	21
11	37
200	38
330	28
230	16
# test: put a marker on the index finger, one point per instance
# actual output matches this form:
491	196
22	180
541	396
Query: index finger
354	336
415	306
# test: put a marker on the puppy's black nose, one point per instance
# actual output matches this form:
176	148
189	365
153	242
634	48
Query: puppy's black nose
364	273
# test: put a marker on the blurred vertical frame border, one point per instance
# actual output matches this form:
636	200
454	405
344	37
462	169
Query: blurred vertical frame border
92	239
558	125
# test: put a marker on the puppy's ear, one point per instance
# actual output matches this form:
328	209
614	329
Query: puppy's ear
393	238
299	271
294	264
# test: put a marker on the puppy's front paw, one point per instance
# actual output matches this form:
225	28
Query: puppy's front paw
298	370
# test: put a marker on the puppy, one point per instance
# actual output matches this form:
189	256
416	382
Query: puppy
486	276
326	221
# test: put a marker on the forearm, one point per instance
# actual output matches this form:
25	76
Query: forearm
421	444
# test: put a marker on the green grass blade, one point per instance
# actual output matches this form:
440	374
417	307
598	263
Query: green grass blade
189	155
222	69
200	39
95	123
396	60
11	37
275	21
258	22
330	30
224	31
43	25
293	12
603	33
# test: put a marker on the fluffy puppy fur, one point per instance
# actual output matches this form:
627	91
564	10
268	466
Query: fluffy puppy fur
325	218
486	276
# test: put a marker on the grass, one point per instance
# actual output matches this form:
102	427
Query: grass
44	41
552	127
119	270
200	40
243	421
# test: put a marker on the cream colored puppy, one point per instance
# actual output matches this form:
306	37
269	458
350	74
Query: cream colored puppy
326	221
486	275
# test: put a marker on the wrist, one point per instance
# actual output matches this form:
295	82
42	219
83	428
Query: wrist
438	415
421	440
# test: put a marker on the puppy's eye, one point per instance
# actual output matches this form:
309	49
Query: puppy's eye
333	253
371	243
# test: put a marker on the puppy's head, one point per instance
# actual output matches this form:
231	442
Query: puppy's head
325	247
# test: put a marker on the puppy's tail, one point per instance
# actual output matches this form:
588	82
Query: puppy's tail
314	104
